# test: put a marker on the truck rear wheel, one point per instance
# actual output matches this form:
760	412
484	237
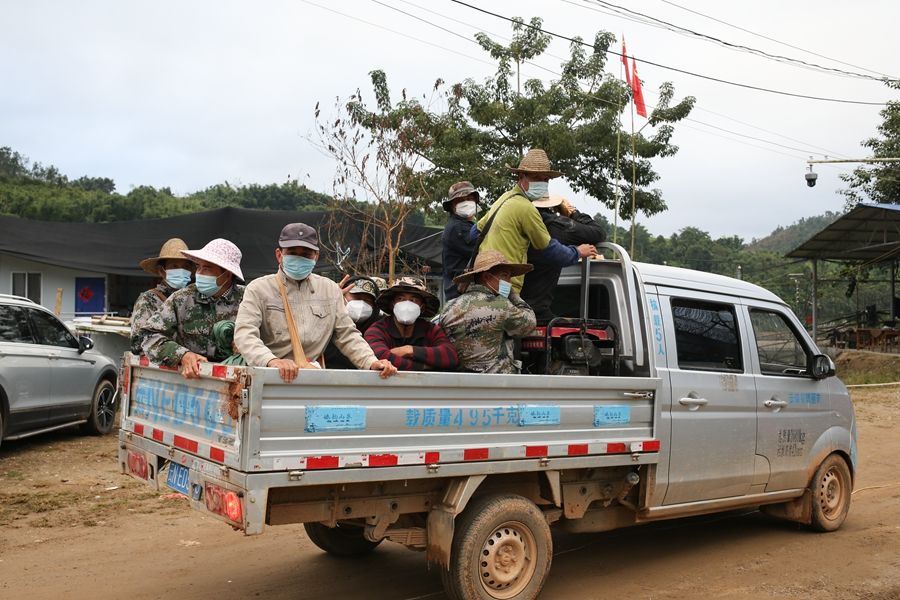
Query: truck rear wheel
831	488
501	550
343	540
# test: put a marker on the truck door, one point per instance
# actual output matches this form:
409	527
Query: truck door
713	404
793	408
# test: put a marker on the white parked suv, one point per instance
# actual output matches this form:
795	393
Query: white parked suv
49	378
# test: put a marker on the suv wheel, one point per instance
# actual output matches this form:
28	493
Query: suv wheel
103	409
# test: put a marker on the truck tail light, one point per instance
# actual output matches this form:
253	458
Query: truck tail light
137	464
224	502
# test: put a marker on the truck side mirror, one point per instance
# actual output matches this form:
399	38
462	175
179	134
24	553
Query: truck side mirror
821	366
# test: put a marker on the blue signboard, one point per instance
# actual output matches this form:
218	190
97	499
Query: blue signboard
611	415
335	418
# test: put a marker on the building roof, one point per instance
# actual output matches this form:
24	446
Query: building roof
117	248
868	233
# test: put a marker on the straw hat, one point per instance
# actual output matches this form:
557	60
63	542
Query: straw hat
221	253
487	260
460	189
551	201
171	250
409	285
536	163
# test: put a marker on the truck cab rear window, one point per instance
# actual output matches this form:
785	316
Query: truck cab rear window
706	336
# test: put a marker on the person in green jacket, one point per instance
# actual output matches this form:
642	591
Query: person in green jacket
518	224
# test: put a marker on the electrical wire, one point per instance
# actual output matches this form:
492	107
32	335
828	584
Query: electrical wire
771	39
676	69
650	20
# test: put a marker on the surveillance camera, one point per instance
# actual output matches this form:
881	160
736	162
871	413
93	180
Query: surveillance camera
811	179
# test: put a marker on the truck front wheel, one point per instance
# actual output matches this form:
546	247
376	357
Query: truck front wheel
343	540
501	550
831	488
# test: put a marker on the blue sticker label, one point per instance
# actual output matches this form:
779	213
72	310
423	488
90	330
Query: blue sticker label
537	414
607	415
811	398
335	418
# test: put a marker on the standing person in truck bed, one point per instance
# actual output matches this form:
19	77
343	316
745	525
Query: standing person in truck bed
316	303
405	336
180	334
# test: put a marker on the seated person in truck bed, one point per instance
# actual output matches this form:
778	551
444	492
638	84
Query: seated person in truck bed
405	337
180	334
316	304
174	272
483	321
360	297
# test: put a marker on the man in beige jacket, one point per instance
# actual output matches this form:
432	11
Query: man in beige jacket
261	332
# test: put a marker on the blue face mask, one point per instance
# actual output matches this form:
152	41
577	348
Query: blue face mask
504	288
177	278
297	267
537	190
207	285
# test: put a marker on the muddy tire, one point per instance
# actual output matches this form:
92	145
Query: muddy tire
343	540
103	409
501	550
830	489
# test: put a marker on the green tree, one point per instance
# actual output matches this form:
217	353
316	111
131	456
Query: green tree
878	182
576	118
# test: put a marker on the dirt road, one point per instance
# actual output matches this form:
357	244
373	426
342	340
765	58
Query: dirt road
73	527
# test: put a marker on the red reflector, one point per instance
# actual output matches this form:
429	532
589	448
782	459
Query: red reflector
475	454
576	449
219	370
157	435
536	451
432	457
224	502
616	448
382	460
139	429
144	361
651	446
217	454
185	444
322	462
233	507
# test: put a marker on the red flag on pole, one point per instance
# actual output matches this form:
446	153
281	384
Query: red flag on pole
637	92
625	62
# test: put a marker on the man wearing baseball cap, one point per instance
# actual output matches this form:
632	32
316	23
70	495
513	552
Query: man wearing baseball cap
180	334
457	247
316	306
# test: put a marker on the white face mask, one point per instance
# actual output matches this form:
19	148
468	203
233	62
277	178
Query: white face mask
359	310
406	312
466	208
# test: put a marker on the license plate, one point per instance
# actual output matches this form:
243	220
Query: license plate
179	479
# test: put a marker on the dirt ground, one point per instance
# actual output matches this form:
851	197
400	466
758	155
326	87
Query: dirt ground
72	527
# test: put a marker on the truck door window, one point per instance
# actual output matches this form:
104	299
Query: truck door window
781	351
706	336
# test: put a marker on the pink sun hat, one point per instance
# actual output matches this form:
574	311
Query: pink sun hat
221	253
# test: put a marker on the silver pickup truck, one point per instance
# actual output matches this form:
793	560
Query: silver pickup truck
661	393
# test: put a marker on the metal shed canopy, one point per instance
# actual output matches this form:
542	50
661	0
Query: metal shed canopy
869	233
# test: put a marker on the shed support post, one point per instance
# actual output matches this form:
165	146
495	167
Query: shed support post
893	291
815	298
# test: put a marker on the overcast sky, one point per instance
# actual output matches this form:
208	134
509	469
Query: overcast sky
190	94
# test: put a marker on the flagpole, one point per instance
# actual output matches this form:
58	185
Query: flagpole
633	181
618	154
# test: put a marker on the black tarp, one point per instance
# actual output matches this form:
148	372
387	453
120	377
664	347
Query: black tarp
117	248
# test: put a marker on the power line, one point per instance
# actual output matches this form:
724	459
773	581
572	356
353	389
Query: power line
675	69
650	20
771	39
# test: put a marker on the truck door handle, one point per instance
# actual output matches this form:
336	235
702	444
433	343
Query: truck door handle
693	401
775	403
643	395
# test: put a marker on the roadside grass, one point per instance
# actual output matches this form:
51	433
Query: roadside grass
856	367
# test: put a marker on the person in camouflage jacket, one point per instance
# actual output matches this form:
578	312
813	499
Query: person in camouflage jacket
483	321
174	272
181	333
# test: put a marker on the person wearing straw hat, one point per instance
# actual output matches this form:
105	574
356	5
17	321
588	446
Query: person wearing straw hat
513	224
405	336
570	227
483	322
181	333
287	318
174	272
457	247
